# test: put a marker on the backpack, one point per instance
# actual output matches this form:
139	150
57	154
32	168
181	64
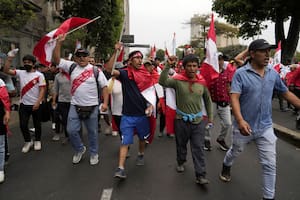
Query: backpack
96	75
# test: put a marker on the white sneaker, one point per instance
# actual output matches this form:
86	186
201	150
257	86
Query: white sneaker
53	126
1	176
27	146
77	156
114	133
94	160
56	137
32	130
37	145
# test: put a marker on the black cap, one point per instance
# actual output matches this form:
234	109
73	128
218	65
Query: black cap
82	51
260	44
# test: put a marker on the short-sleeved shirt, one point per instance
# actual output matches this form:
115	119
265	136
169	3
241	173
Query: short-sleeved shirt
87	93
256	95
134	104
32	95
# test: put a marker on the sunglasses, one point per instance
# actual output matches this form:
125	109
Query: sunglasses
82	55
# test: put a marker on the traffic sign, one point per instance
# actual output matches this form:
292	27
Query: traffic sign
127	39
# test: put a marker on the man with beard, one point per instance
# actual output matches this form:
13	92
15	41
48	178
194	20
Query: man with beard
33	87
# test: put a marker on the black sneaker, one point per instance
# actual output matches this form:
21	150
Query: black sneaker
207	145
225	174
120	173
223	145
202	180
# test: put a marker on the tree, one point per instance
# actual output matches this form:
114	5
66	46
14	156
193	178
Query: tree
251	15
104	32
14	14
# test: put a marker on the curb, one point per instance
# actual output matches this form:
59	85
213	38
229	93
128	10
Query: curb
291	135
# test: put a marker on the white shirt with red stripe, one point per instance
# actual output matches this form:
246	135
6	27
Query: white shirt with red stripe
32	95
86	93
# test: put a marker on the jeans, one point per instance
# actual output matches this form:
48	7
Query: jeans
266	146
91	124
224	114
2	152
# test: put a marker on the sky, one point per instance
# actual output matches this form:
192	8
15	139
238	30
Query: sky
154	22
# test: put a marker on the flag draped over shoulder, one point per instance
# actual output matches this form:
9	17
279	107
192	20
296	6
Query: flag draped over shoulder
171	100
210	67
44	48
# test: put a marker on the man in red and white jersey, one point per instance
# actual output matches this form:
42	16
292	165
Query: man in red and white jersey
32	87
84	99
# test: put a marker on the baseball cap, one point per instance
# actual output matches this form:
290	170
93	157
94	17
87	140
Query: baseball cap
147	62
260	44
82	51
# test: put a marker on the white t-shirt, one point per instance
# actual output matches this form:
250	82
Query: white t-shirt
32	95
86	94
116	98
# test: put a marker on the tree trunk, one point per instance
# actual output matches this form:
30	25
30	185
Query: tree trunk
288	45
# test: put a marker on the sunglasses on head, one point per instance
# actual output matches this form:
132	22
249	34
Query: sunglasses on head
82	55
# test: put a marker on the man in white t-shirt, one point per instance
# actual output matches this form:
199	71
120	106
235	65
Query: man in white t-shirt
84	100
33	87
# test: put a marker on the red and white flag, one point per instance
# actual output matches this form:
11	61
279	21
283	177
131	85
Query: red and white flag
167	55
277	58
44	48
174	45
210	67
153	52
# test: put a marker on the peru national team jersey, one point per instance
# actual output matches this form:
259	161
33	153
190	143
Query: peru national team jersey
86	93
37	79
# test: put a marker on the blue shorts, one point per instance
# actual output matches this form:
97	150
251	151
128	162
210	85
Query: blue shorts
134	124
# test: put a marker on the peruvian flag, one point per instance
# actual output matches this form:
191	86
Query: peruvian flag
277	58
167	55
174	45
153	52
210	67
44	48
121	55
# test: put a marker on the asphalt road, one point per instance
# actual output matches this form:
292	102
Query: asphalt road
50	174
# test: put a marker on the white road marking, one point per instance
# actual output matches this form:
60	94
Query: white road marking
106	194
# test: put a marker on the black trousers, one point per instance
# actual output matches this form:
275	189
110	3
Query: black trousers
62	112
185	132
25	112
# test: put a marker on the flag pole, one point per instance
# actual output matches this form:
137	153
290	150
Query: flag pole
120	38
79	27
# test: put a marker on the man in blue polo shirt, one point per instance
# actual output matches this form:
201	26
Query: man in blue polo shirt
251	97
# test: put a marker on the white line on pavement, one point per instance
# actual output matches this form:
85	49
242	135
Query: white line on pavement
106	194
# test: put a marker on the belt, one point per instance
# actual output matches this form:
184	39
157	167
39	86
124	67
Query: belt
188	117
222	103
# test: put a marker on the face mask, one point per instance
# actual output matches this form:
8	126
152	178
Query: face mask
28	67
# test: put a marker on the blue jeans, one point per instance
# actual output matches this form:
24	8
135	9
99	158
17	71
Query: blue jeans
2	152
74	128
266	146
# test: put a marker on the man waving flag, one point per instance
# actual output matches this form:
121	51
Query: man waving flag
43	49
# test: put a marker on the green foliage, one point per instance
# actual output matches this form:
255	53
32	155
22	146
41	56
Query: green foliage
251	15
14	14
104	32
232	51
